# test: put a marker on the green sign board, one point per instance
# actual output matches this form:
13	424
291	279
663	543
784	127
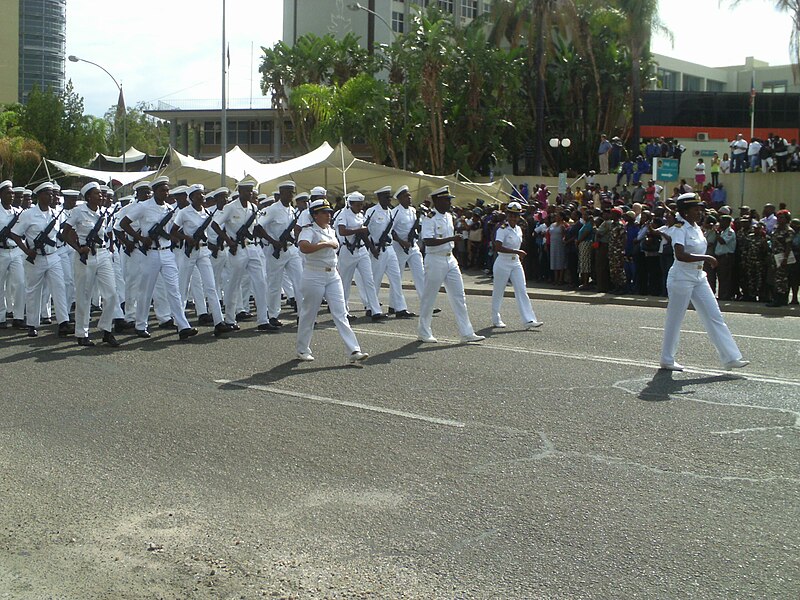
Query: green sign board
666	169
707	152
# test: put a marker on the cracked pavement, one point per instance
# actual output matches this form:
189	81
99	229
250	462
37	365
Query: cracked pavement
557	463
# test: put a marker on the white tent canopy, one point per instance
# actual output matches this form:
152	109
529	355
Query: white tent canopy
131	155
125	178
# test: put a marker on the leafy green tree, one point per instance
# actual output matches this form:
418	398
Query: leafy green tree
142	131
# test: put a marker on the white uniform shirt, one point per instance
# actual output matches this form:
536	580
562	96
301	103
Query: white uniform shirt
350	220
83	219
276	219
5	218
404	220
438	226
321	259
32	222
510	238
378	222
190	219
234	216
304	218
147	214
693	240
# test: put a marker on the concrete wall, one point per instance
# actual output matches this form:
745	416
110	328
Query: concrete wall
9	53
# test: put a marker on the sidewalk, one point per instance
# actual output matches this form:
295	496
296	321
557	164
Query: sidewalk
476	283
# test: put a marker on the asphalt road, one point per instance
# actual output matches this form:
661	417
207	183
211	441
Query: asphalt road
549	464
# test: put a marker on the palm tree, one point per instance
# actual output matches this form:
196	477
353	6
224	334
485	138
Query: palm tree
19	153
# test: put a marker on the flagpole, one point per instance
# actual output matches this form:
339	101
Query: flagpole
224	112
752	104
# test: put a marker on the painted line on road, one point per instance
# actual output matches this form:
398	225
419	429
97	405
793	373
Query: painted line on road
369	407
739	335
600	359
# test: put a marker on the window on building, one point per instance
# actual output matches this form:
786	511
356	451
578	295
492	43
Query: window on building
692	83
398	22
212	133
774	87
487	8
715	86
446	5
667	80
469	9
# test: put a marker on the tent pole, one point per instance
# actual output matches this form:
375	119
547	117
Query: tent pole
344	171
44	162
223	112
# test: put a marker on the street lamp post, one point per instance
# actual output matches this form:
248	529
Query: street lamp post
73	58
556	144
356	7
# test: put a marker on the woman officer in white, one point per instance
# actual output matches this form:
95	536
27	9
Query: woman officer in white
507	266
686	282
97	270
320	279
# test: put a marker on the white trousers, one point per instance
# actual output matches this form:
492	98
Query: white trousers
506	269
358	261
684	286
314	286
246	261
119	278
12	283
45	269
152	264
386	264
443	270
220	266
67	253
414	261
195	286
199	263
287	264
99	271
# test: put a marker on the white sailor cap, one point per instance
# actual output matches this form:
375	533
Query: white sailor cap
42	187
181	189
303	196
514	207
218	191
92	185
7	184
66	193
287	184
262	199
26	192
141	184
275	194
442	192
234	195
105	188
321	205
355	197
400	190
126	200
197	187
18	190
163	180
247	182
56	187
387	189
319	191
110	193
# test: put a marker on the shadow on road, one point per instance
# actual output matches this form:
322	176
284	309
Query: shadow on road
663	385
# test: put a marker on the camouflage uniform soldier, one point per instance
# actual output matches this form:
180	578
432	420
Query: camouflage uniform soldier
755	261
616	252
780	252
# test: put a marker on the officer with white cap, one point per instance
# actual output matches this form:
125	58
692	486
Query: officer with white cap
321	279
39	223
219	253
236	226
12	273
687	282
354	257
278	225
130	257
158	259
508	266
92	265
17	200
439	236
405	234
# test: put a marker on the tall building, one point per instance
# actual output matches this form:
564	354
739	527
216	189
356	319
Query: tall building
32	47
337	17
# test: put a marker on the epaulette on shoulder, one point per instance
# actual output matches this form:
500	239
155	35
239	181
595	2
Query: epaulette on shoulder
678	224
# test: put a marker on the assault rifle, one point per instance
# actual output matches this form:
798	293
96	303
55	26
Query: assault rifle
157	231
385	237
412	235
198	236
285	238
93	238
43	239
7	229
242	235
359	238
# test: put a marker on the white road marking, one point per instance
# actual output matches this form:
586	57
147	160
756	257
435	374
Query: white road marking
370	407
593	358
739	335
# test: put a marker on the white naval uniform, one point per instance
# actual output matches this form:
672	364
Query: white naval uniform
404	220
321	279
219	263
46	267
98	270
687	282
158	260
386	263
276	219
509	267
66	252
356	261
12	273
441	267
249	259
199	261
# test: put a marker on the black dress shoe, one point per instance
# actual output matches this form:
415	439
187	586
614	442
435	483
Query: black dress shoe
45	321
32	332
233	326
109	339
351	318
5	325
436	311
121	325
244	316
205	319
221	329
66	328
267	327
170	324
186	333
379	317
142	333
275	322
368	313
391	310
19	324
85	342
95	309
404	314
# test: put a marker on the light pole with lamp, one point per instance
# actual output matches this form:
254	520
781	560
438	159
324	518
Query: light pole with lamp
356	7
556	144
120	103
